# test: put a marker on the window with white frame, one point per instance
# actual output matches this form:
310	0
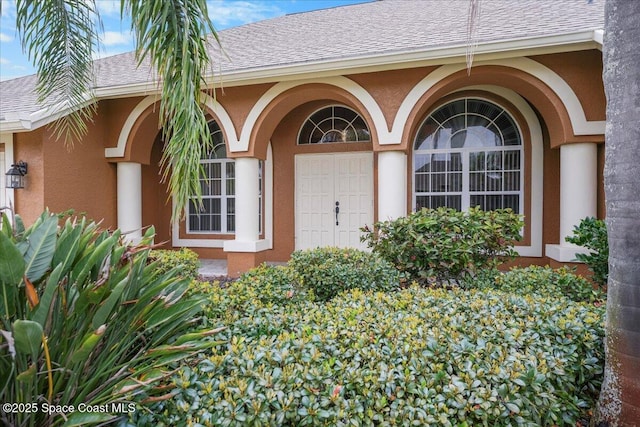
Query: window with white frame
468	153
335	123
217	214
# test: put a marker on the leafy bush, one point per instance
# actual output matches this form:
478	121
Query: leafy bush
329	271
414	357
185	260
270	285
446	244
591	233
545	281
85	319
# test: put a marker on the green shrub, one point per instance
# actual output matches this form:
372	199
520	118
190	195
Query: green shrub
445	244
591	233
545	281
414	357
85	319
270	285
329	271
185	260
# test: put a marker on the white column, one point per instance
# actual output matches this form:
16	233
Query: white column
578	194
392	185
247	199
130	200
247	226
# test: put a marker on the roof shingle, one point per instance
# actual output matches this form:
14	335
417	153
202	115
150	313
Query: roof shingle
370	29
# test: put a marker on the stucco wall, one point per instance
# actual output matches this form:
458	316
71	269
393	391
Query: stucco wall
84	180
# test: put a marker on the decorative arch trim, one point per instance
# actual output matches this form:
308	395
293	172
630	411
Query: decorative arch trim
221	116
579	123
348	85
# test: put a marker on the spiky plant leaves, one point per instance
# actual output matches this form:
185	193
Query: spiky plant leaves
105	314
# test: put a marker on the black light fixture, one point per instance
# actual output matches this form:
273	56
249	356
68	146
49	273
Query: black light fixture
15	175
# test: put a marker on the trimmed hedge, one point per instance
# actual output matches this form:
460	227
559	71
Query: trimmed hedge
185	259
444	244
544	281
414	357
329	271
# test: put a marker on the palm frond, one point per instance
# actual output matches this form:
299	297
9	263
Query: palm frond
173	34
59	37
473	21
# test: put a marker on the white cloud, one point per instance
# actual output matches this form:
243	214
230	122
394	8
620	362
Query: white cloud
229	13
114	38
108	7
4	61
5	37
8	9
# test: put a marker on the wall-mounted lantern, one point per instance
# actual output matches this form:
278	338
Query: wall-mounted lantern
15	175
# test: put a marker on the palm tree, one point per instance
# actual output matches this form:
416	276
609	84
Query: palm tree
60	37
620	395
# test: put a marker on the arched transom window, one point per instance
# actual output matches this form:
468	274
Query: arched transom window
335	123
468	153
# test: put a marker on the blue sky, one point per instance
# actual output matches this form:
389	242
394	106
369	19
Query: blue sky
117	38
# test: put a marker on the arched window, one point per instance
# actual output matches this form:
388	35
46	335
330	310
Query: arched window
468	153
217	184
335	123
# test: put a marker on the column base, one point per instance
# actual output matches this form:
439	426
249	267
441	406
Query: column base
564	253
241	262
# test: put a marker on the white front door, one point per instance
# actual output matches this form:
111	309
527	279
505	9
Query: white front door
325	182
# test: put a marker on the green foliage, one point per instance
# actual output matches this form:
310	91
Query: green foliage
171	38
271	285
591	233
48	28
185	260
547	282
445	244
85	319
329	271
414	357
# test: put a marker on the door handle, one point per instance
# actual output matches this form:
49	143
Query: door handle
337	212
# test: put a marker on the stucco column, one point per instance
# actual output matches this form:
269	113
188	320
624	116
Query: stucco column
578	194
247	227
245	250
129	183
392	185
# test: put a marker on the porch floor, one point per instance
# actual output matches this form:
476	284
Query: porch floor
212	269
216	269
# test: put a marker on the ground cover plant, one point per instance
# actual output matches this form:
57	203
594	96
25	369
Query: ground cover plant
411	357
85	319
444	244
545	281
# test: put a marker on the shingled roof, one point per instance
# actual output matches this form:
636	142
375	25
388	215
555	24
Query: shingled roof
378	31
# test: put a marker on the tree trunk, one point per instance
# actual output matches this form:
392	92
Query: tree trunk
619	403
